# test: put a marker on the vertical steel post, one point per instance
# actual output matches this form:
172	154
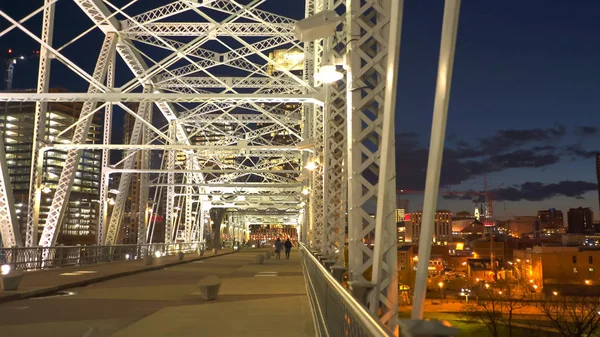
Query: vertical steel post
39	128
436	150
385	275
169	212
144	193
80	135
107	131
9	229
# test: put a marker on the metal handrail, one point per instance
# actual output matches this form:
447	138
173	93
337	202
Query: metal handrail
356	319
31	258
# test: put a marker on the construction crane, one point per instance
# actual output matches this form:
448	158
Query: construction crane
10	59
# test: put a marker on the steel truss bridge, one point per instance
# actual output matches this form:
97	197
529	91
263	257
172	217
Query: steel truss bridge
238	130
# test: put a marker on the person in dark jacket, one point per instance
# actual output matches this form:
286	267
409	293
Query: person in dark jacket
288	248
278	248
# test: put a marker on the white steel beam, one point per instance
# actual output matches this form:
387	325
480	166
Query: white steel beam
63	190
115	97
334	158
9	229
39	128
107	131
194	29
368	31
112	233
234	82
144	193
436	149
170	191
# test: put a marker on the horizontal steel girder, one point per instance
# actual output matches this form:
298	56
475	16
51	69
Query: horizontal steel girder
156	98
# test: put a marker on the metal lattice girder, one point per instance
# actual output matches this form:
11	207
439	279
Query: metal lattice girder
157	98
63	190
107	131
189	219
222	82
370	137
39	128
112	234
231	7
144	193
203	28
162	12
169	211
197	120
9	229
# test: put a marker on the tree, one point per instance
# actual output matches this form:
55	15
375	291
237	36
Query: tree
216	218
498	304
573	316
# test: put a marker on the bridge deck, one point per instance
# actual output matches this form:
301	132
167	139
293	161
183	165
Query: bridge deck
166	303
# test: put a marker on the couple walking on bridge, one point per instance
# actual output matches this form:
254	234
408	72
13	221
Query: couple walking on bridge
287	245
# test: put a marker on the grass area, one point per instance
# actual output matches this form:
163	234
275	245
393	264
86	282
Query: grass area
472	329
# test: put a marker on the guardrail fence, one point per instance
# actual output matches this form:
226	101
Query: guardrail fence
335	311
63	256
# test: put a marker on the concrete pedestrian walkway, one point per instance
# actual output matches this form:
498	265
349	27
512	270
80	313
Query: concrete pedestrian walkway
41	282
255	300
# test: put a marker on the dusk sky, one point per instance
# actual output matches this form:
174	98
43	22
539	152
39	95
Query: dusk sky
524	100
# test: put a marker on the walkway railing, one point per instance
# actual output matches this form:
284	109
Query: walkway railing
64	256
335	312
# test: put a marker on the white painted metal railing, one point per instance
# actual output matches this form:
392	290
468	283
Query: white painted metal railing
63	256
335	311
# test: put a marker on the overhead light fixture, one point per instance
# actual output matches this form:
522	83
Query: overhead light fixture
46	189
328	72
311	165
305	191
318	26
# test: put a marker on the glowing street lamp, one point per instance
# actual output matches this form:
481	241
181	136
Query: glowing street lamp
555	293
311	165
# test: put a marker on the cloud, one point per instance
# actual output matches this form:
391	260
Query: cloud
505	150
507	139
576	151
586	130
532	191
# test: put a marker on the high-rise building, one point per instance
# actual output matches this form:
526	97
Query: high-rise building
401	209
551	221
580	221
442	227
81	216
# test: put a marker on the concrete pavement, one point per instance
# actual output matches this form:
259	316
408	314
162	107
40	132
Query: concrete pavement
41	282
254	300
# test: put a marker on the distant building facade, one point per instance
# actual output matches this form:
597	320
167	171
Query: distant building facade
580	221
566	270
442	227
521	226
551	221
81	215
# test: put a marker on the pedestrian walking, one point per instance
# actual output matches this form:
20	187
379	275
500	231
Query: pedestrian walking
288	248
278	246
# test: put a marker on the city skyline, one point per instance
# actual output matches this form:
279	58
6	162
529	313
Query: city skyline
521	108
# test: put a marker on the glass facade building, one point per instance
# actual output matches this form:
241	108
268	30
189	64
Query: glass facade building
81	217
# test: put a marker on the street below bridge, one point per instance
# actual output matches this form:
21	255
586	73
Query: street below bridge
254	300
